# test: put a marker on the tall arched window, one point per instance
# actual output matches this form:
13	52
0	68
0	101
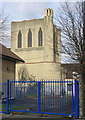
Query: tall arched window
19	39
29	38
40	37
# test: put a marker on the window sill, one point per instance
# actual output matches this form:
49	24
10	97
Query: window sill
29	48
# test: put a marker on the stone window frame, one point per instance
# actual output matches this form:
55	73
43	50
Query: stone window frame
29	38
40	37
19	39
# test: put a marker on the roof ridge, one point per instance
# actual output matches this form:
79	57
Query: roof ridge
6	52
26	20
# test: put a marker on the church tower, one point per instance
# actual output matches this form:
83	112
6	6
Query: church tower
38	43
52	37
48	14
48	27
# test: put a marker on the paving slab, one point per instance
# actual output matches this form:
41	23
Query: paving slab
35	117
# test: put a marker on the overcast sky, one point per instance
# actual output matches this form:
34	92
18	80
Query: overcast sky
29	10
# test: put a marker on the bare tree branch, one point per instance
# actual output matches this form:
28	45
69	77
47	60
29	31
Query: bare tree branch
4	30
72	23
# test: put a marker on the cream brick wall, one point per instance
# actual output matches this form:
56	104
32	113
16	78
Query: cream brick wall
44	53
39	60
42	70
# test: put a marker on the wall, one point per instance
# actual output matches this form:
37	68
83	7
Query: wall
8	70
41	70
39	60
34	53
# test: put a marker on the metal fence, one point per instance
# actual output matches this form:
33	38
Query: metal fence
43	96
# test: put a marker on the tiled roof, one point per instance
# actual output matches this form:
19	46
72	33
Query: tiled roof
6	52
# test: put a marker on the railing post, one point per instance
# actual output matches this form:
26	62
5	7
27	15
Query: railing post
39	97
76	99
7	97
72	98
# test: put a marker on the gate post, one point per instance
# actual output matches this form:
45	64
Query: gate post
7	97
39	97
76	99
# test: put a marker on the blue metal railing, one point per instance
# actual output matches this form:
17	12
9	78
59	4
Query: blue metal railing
44	97
52	97
76	99
7	97
39	97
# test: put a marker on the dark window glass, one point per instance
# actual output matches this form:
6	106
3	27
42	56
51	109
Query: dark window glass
40	37
19	39
29	38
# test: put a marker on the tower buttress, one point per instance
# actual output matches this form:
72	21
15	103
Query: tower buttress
48	15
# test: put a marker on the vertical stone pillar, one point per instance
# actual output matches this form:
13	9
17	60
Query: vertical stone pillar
80	98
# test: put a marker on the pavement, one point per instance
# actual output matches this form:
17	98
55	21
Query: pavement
35	117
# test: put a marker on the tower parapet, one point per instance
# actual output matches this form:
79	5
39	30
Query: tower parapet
48	12
48	16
